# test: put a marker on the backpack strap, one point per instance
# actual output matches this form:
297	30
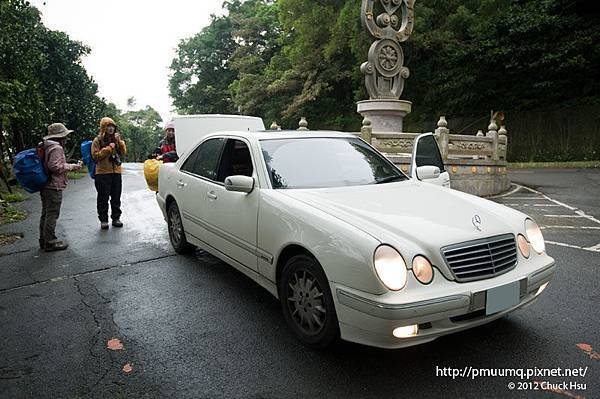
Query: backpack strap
41	150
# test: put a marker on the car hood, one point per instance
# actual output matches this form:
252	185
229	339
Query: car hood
412	213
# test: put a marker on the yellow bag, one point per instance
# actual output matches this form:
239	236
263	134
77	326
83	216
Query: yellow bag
151	167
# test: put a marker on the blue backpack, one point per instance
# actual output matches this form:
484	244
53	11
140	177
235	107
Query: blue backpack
86	155
29	170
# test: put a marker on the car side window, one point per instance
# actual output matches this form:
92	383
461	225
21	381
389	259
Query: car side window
188	165
236	160
203	162
428	153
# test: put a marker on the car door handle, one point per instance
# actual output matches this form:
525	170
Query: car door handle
211	195
181	184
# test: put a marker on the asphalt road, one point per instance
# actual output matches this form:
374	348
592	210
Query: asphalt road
193	327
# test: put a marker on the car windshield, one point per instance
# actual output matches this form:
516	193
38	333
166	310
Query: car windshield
325	162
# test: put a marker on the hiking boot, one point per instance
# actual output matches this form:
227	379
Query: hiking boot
117	223
104	225
55	246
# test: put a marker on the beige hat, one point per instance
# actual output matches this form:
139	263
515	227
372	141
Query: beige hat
57	131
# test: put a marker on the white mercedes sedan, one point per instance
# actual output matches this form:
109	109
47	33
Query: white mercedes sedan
352	247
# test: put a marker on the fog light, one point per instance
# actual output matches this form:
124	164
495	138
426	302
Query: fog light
523	245
406	331
542	288
422	269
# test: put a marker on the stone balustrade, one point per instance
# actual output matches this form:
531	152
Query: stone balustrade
476	163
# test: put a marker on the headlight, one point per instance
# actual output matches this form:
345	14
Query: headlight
523	245
422	269
390	267
534	235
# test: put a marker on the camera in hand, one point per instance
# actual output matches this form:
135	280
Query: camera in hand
116	159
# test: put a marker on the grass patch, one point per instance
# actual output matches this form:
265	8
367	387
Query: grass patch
10	214
76	175
16	196
554	165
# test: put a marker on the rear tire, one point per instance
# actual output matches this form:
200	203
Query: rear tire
307	303
176	231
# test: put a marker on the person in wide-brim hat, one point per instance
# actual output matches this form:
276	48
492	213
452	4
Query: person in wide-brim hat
57	131
56	166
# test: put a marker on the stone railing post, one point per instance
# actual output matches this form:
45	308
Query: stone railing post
366	131
274	126
303	124
443	134
493	133
504	144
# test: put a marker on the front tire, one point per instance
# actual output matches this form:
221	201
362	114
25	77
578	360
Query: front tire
307	303
176	232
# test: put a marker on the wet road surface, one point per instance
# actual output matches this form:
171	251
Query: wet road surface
193	327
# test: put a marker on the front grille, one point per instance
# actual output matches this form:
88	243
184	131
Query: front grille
481	259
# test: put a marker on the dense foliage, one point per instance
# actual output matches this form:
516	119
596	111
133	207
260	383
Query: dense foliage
290	58
42	79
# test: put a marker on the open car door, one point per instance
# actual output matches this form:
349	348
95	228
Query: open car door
427	164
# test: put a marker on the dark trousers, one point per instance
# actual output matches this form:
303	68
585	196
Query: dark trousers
51	202
108	186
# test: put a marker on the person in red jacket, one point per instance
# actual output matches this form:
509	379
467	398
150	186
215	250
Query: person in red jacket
166	150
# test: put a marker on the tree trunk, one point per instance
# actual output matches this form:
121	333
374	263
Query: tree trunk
2	165
1	140
18	141
3	176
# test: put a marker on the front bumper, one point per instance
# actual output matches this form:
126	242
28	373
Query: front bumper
366	319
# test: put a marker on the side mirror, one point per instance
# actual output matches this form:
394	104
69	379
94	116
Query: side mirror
242	184
428	172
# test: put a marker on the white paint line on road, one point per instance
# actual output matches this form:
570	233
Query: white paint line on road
514	190
571	227
563	216
574	209
593	248
524	198
548	198
538	205
561	244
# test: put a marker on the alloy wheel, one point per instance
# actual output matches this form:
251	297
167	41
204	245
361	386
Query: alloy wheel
305	302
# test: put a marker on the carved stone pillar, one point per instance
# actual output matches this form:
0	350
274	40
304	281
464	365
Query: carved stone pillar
303	124
443	133
493	133
502	142
366	131
385	71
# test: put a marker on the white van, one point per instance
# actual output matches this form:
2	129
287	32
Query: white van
191	128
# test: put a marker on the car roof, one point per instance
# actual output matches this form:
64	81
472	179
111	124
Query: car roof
284	134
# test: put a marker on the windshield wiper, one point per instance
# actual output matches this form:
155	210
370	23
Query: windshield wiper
390	179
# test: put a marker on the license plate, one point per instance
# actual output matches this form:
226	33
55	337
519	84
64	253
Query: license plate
502	298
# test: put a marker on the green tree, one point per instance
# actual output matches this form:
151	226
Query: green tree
20	60
69	94
42	80
141	131
201	73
